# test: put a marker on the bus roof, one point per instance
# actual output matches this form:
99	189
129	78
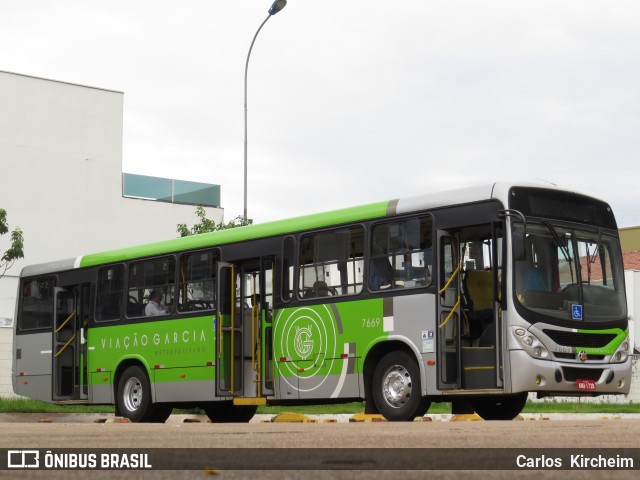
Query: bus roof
281	227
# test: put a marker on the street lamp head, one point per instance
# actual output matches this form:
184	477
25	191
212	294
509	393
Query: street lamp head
277	6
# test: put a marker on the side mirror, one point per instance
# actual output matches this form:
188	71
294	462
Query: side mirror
518	244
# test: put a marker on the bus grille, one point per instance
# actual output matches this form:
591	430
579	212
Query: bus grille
572	356
575	339
572	374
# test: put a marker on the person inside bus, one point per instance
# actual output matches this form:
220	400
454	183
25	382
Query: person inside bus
380	270
534	280
155	305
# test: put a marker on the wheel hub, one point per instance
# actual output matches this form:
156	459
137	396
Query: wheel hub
132	394
397	386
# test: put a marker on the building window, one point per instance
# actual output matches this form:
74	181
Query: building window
37	304
331	263
110	293
151	282
401	254
197	282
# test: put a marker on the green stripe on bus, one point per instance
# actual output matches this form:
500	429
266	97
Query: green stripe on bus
251	232
611	347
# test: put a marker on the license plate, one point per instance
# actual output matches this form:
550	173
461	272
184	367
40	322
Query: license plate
586	385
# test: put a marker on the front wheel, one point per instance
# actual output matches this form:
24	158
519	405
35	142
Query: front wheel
397	392
503	407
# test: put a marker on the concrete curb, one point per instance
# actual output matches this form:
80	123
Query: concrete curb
300	418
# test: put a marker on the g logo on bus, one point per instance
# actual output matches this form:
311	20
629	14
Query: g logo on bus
303	343
582	356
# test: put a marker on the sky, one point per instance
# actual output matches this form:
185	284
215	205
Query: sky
355	101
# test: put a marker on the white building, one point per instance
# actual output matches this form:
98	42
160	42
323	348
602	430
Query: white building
62	183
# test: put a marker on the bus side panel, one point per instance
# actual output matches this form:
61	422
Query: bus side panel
320	349
316	348
180	385
179	354
32	366
413	318
101	388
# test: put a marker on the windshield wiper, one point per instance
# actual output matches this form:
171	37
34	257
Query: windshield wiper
563	248
591	258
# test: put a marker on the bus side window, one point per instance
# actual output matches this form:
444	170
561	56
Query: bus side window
110	293
288	262
197	282
157	274
401	254
330	263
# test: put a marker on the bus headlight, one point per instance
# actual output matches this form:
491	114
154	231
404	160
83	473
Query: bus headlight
530	343
621	354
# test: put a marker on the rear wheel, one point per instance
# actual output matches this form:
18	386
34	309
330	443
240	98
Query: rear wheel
161	412
504	407
134	398
397	392
226	412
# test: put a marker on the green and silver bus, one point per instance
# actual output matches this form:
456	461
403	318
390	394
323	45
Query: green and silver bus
476	296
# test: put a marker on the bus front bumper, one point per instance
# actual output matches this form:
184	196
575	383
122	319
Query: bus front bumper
530	374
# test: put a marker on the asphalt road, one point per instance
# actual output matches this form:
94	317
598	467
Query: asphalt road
475	446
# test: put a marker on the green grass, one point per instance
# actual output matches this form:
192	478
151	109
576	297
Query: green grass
580	407
23	405
26	405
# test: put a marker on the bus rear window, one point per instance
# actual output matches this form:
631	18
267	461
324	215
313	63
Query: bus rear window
36	307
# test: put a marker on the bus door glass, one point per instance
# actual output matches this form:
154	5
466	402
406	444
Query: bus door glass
448	312
498	255
247	294
265	342
481	272
228	334
69	346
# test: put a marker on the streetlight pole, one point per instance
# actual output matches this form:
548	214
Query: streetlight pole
275	8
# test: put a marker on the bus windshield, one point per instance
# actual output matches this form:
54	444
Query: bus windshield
569	275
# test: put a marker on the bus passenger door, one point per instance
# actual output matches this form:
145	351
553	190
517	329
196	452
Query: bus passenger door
254	297
469	307
228	334
265	341
69	350
448	338
244	355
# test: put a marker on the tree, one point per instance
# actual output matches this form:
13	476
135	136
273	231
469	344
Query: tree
208	225
16	250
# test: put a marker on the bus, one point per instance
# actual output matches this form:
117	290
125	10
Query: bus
477	297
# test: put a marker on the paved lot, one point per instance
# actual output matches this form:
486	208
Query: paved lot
183	439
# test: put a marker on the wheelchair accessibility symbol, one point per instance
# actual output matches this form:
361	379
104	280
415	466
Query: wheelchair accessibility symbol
576	312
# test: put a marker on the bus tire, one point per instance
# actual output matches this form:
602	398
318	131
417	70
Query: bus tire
397	392
161	412
226	412
134	395
503	407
